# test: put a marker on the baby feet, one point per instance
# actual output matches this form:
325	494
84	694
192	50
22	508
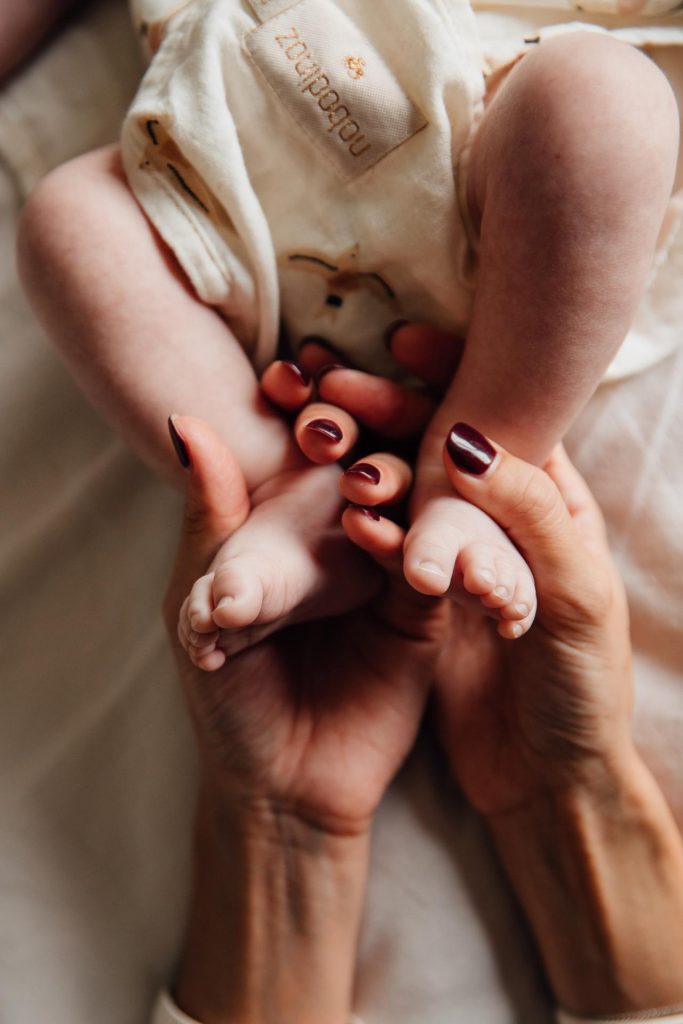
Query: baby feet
289	562
452	546
455	546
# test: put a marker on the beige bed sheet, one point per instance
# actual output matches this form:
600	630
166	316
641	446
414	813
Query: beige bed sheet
97	767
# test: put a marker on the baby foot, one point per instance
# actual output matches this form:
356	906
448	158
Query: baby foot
454	545
289	562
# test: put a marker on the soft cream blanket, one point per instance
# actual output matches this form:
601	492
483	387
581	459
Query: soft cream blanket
97	767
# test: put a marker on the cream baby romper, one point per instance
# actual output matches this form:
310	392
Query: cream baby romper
304	161
299	161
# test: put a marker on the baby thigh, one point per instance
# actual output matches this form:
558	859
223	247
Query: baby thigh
570	174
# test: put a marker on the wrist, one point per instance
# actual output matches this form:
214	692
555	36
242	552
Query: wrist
275	917
598	868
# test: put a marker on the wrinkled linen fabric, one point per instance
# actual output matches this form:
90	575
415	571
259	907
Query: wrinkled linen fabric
98	768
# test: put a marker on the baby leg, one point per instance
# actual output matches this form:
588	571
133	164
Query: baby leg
570	175
24	25
141	346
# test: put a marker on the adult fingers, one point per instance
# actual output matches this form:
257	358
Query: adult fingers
378	536
527	503
314	354
427	352
325	433
287	385
390	409
216	504
377	480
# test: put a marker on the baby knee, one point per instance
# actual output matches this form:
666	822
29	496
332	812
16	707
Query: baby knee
584	127
606	109
45	228
52	232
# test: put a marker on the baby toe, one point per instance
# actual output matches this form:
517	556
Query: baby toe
429	556
522	604
476	565
237	595
506	571
211	662
513	629
200	606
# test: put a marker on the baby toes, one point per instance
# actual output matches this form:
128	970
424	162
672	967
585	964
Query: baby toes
503	583
520	611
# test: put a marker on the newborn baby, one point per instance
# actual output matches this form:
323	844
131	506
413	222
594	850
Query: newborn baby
313	173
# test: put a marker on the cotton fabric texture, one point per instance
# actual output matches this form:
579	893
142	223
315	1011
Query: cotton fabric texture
306	161
98	764
300	167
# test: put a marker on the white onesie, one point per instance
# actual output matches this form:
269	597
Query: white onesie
305	160
299	161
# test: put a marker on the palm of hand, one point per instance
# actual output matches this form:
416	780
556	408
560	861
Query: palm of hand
316	720
521	719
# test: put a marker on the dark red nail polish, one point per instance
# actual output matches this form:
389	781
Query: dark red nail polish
327	428
369	513
328	369
469	450
391	331
370	474
179	445
297	372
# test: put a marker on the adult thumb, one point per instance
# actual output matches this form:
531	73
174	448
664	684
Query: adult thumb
523	500
216	504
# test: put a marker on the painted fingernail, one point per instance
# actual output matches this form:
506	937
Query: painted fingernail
369	513
179	445
327	429
391	331
328	369
297	372
469	450
365	471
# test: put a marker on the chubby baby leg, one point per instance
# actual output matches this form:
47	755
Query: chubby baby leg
141	346
570	175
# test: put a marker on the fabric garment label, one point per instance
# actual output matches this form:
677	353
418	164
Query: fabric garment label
334	84
265	9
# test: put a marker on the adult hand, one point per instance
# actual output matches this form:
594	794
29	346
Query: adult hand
299	737
554	709
322	386
315	721
539	737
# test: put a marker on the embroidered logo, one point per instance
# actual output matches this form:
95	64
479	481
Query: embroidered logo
304	55
355	67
